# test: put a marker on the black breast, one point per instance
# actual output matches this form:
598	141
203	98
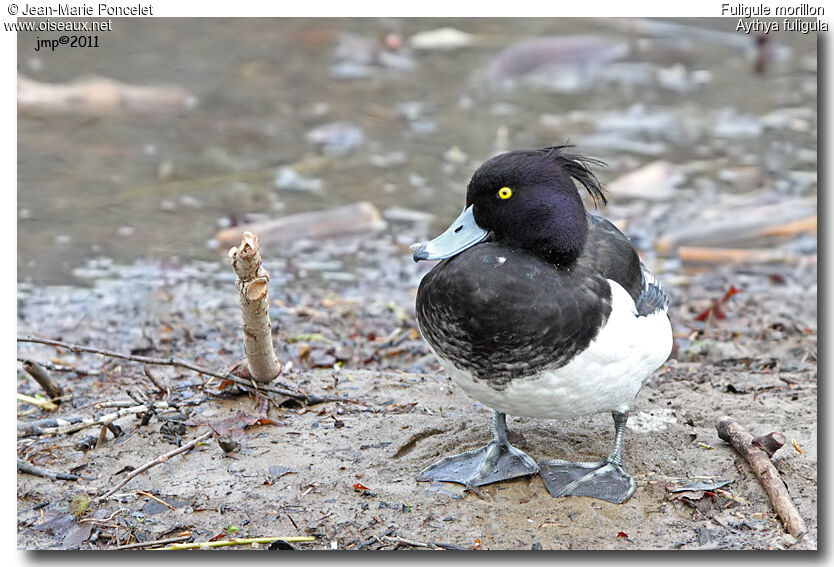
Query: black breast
503	314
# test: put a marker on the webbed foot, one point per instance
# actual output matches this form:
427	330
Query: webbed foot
604	480
494	462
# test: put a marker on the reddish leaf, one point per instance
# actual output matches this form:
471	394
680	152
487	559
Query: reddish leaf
715	308
702	316
357	487
730	292
622	534
234	422
261	421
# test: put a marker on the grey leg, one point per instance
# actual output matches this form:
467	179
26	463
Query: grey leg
496	461
616	455
606	480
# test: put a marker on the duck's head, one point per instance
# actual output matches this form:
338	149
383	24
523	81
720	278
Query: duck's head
525	199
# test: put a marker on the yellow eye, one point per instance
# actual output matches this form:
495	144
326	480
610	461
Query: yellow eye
505	193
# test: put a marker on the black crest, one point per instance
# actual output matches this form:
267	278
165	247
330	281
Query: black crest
579	167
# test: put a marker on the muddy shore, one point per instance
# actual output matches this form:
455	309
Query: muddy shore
343	472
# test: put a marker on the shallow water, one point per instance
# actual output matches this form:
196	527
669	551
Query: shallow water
159	186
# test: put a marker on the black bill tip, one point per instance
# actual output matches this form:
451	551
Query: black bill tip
421	254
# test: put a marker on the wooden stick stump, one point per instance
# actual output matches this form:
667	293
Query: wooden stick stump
252	284
758	451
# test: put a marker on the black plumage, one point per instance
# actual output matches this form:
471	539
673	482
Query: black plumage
611	254
504	314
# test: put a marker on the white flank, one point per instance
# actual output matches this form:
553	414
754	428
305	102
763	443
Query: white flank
604	377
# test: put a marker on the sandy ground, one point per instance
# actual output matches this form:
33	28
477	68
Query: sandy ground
344	472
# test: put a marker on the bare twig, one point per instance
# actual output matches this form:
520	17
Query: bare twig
71	424
237	541
42	377
165	541
120	510
62	368
412	543
110	404
450	546
132	357
28	468
163	389
152	497
158	461
309	399
47	405
742	441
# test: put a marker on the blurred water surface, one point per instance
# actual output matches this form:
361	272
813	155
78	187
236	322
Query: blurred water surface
293	115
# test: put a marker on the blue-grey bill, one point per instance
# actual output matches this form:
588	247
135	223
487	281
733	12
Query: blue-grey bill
460	235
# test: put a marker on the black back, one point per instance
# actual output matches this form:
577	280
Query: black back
610	252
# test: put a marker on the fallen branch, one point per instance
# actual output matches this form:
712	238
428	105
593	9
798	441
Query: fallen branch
236	541
355	218
41	376
47	405
99	96
751	449
62	368
783	219
158	461
412	543
284	390
71	424
706	255
770	443
165	541
806	224
253	286
28	468
111	404
106	520
152	497
164	389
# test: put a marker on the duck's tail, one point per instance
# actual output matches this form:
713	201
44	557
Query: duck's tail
653	297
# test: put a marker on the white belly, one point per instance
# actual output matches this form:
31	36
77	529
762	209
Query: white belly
604	377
